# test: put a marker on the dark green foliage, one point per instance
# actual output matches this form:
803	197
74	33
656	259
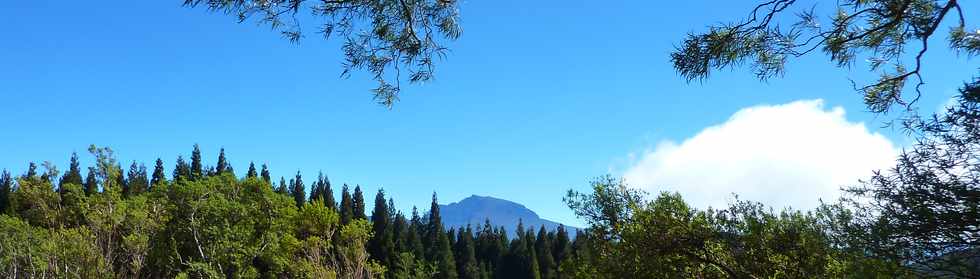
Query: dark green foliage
182	170
282	189
74	173
297	190
383	37
358	203
222	165
6	186
159	177
546	261
892	35
346	206
31	170
136	180
196	168
91	182
252	173
265	174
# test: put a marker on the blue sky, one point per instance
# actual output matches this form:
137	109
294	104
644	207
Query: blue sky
534	99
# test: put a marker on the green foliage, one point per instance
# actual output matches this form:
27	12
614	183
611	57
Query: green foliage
380	36
879	31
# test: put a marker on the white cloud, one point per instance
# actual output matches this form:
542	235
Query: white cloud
786	155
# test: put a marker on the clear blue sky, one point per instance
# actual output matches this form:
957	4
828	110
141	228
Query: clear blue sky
534	99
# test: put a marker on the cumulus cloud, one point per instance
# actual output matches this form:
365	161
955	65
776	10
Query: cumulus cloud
786	155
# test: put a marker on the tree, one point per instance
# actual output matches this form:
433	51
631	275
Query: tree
74	173
346	206
546	262
298	190
358	204
222	165
197	169
924	211
252	173
265	174
6	186
433	229
381	246
159	178
31	170
327	194
282	189
880	30
383	37
91	182
664	237
182	170
136	179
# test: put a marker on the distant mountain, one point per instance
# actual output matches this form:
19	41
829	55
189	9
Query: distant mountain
475	210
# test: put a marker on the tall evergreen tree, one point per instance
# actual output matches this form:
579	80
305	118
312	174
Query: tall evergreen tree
159	177
327	193
73	175
136	179
31	170
91	182
381	246
546	262
359	207
466	264
282	189
121	182
222	165
443	257
182	170
6	186
197	169
298	190
316	188
346	206
562	247
265	174
433	229
252	173
413	238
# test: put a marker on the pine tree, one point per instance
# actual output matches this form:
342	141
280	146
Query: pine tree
359	212
546	262
328	198
182	170
159	177
251	171
31	170
73	175
121	183
197	170
433	229
413	238
136	179
380	246
222	165
443	256
562	247
282	189
298	190
316	189
346	206
6	186
265	174
466	263
91	183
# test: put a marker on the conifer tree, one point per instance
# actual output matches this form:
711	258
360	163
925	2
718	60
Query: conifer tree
197	170
31	170
414	235
282	189
346	206
380	246
433	230
159	177
136	179
121	182
316	188
265	174
222	165
252	173
6	186
91	182
443	256
298	190
182	170
466	263
327	193
562	247
73	175
358	203
546	262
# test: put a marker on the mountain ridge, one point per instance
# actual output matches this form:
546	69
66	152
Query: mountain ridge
475	210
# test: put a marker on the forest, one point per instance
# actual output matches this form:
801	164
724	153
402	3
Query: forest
919	218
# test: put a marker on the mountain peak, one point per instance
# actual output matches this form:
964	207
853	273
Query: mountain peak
475	210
